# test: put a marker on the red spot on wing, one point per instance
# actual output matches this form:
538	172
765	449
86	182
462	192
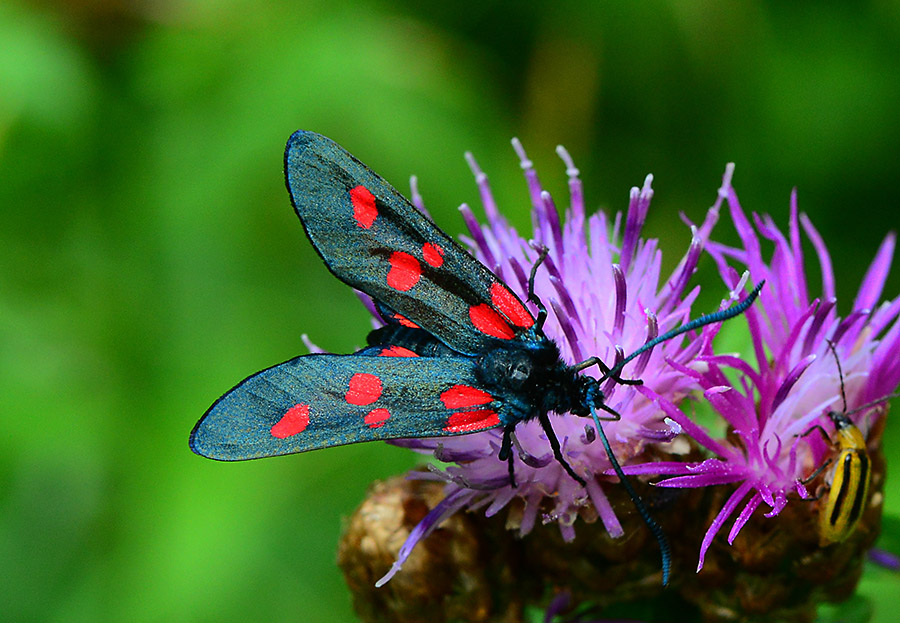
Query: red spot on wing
470	421
364	209
490	322
295	420
433	254
397	351
464	396
406	322
377	417
510	306
405	271
364	389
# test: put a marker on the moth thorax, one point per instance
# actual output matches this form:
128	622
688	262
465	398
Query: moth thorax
510	368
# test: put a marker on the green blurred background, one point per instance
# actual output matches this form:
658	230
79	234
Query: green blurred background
149	257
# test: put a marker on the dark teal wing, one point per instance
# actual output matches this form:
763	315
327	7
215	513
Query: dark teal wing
319	401
375	240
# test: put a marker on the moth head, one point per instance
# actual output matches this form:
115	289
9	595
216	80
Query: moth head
589	396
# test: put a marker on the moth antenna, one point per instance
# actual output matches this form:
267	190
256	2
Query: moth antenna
557	449
719	316
664	547
506	454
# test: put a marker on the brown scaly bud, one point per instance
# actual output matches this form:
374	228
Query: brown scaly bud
463	571
776	568
474	568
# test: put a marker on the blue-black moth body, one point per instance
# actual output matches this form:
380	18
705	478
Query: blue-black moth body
459	352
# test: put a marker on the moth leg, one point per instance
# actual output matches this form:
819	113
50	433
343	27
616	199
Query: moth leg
613	414
542	311
507	455
557	450
605	369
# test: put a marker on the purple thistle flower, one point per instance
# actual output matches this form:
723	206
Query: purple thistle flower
601	284
795	381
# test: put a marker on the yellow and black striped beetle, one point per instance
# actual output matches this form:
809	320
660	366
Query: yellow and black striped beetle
844	505
851	475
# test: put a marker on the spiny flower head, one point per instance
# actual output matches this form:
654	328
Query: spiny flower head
807	359
606	297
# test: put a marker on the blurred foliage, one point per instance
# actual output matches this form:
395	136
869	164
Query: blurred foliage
149	257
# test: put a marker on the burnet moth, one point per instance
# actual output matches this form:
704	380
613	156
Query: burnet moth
459	352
